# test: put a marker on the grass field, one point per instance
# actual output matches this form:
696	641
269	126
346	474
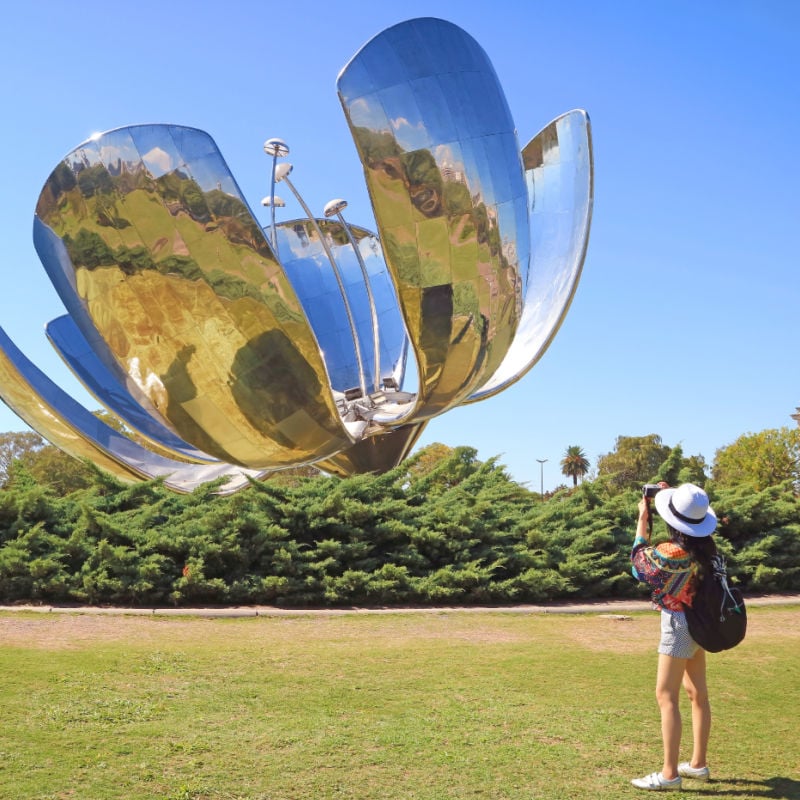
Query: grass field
427	706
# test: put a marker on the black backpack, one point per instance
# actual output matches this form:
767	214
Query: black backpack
717	617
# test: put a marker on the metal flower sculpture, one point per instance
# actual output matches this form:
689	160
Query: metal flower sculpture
234	351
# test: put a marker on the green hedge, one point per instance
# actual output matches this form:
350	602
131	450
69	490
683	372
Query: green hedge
463	533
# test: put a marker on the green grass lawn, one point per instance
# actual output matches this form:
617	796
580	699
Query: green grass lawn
430	706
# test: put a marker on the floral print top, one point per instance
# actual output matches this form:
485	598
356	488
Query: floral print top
669	571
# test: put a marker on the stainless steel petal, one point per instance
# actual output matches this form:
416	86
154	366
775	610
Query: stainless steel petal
27	391
70	344
378	453
441	159
307	267
560	179
175	275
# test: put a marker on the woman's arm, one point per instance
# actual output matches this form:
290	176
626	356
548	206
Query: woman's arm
642	527
641	541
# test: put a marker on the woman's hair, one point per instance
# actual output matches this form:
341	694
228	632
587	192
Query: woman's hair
701	548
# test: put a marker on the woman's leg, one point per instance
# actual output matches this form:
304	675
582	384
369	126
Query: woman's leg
694	681
668	688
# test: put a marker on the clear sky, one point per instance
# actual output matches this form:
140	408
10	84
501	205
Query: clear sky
685	323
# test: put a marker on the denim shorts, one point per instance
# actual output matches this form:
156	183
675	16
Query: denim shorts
675	638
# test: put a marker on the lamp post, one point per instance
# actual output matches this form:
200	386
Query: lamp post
275	148
335	208
280	174
542	462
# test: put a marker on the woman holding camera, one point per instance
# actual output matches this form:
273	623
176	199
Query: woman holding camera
671	569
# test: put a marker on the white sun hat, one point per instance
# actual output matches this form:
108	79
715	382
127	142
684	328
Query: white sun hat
687	510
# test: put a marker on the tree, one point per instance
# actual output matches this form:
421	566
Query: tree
760	459
693	471
437	467
574	464
635	460
52	467
45	463
428	459
13	446
670	469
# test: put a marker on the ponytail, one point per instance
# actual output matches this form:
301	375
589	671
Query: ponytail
701	548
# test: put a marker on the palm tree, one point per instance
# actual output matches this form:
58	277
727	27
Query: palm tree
574	464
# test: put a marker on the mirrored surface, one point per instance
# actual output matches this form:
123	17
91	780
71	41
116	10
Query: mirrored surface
559	176
69	343
378	453
440	155
174	274
247	351
28	392
307	266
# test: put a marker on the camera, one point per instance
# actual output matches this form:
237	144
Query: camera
650	490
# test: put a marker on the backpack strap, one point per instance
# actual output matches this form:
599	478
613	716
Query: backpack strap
720	573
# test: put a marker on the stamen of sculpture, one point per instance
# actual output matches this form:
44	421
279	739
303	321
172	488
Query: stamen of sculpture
234	350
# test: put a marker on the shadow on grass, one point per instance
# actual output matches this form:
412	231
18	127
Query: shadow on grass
777	788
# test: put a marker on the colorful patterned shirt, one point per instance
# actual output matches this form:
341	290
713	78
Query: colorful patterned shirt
669	571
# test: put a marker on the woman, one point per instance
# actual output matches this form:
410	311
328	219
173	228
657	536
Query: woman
672	569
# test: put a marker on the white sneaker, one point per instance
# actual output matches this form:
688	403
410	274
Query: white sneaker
698	773
655	780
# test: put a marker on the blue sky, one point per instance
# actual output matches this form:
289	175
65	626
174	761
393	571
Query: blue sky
685	323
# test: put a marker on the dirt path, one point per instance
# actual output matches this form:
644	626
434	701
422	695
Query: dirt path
54	627
588	607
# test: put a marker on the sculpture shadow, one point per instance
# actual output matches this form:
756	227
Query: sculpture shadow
779	788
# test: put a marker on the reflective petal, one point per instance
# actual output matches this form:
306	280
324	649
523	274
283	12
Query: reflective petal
28	392
437	143
307	267
559	175
68	341
379	453
160	258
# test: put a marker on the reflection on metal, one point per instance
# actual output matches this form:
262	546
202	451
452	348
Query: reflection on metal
171	271
69	426
335	208
377	453
283	175
559	175
305	249
232	350
441	159
67	339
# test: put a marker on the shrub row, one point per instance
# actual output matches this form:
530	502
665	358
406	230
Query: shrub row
463	533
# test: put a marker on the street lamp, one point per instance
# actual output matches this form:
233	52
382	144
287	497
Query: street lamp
275	148
280	174
335	208
541	474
